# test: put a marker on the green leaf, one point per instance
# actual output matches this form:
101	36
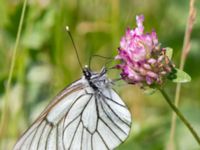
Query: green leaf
169	52
179	76
149	91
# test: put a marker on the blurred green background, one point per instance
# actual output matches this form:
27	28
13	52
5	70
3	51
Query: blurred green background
46	61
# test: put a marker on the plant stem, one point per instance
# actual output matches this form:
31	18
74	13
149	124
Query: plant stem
5	110
185	51
180	115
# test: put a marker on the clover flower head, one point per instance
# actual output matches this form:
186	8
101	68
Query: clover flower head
142	59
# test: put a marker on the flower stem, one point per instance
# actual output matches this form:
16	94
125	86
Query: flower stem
185	51
180	115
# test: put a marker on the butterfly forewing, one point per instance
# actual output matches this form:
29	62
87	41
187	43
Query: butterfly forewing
79	118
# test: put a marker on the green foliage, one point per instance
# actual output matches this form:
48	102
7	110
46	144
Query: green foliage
169	52
149	91
179	76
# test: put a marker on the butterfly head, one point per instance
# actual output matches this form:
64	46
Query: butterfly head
87	72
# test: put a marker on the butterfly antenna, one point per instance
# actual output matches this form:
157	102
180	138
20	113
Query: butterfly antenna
99	56
69	33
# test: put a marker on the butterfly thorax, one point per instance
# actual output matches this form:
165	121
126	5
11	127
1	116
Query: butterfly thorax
96	80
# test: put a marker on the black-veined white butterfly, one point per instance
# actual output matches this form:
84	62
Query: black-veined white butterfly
87	115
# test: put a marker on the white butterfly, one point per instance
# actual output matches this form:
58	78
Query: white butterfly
87	115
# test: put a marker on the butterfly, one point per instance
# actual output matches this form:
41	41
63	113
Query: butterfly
87	115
